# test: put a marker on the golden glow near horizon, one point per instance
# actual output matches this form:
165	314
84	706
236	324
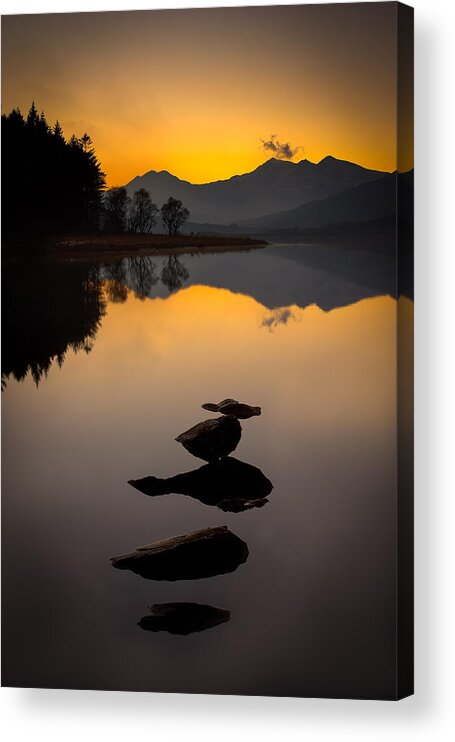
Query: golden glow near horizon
194	91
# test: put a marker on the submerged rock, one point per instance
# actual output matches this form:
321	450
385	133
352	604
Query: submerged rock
205	553
229	484
183	618
233	407
210	440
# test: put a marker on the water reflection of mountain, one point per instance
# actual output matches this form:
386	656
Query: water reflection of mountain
329	276
47	309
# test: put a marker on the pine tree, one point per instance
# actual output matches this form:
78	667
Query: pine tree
32	117
42	124
53	186
86	142
58	131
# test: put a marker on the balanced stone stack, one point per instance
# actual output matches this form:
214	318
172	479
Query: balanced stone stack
230	484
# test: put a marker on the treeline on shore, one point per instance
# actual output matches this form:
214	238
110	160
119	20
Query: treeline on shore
139	214
54	186
50	184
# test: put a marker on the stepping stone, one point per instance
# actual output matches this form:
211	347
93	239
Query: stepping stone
205	553
210	440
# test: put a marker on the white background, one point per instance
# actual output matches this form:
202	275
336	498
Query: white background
79	715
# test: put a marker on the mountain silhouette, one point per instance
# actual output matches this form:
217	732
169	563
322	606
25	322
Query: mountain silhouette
366	202
274	186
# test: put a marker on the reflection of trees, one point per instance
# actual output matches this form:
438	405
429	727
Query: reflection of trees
115	282
139	274
174	273
46	310
142	275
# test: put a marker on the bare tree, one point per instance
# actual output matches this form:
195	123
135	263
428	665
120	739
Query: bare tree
142	212
174	214
116	205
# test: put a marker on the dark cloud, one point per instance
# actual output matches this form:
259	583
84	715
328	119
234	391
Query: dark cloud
281	150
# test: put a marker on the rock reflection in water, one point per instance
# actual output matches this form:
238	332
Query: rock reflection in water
229	484
183	618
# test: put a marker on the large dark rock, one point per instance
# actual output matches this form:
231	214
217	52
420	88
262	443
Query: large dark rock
232	407
183	618
210	440
229	484
212	551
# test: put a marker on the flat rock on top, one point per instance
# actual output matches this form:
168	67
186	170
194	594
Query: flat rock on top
232	407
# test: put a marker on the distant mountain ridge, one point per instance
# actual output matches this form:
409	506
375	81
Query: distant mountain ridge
371	208
273	187
368	201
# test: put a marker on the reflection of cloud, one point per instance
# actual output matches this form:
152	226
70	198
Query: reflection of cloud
279	316
281	150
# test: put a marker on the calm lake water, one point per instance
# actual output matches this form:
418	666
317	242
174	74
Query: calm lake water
103	367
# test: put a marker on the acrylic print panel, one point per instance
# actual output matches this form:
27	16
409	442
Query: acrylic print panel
207	350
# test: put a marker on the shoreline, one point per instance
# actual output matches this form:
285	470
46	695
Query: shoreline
107	247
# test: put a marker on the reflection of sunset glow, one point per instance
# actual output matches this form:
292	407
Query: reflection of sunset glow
193	92
203	343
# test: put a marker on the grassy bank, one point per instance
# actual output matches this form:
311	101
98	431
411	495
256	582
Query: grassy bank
106	246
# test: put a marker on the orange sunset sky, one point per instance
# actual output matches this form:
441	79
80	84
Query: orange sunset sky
195	91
